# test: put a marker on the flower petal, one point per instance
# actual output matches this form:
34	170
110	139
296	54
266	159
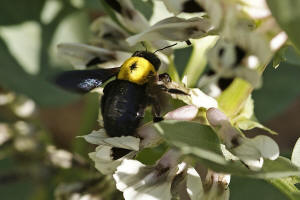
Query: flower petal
194	184
96	137
267	147
188	112
80	55
101	138
124	142
109	35
130	17
174	29
256	8
198	98
138	182
104	161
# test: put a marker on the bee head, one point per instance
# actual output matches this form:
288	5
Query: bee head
151	57
139	68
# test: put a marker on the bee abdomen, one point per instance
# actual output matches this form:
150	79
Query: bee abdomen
123	106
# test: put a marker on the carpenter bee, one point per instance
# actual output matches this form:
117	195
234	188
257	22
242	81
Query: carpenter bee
136	86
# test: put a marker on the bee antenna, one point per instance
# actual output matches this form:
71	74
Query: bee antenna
165	48
144	45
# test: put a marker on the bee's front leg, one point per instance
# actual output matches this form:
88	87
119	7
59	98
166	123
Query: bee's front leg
166	85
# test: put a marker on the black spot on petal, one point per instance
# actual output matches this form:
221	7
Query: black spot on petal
119	152
221	52
240	54
191	6
210	72
223	83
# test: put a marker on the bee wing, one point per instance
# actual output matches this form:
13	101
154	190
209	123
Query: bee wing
82	81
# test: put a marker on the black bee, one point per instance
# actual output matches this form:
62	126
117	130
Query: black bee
137	85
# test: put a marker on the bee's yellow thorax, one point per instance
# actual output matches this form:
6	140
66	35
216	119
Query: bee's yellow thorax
136	70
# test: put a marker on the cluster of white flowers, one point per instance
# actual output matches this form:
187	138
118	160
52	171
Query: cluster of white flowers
242	49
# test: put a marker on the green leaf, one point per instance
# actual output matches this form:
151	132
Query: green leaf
288	16
192	138
296	153
149	156
15	11
13	77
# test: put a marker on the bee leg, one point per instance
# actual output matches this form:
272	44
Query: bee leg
172	90
164	77
156	110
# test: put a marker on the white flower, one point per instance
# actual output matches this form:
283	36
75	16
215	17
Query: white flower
251	151
141	182
80	55
104	162
214	9
111	150
229	60
198	98
215	186
129	17
255	8
109	35
188	112
194	184
174	29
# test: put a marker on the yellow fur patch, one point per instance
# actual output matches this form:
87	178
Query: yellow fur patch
136	70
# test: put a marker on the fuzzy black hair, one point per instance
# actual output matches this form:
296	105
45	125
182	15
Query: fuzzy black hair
151	57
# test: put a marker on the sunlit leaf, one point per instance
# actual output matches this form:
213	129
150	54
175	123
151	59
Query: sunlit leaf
192	138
